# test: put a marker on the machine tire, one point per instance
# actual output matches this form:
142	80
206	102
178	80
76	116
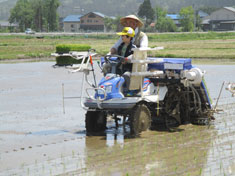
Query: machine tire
95	121
202	119
140	120
171	123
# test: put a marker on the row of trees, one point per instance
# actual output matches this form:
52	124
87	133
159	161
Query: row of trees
187	19
40	15
164	23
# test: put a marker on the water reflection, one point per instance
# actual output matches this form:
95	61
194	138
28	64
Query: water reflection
192	150
154	152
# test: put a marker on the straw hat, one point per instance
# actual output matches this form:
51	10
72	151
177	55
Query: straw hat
122	20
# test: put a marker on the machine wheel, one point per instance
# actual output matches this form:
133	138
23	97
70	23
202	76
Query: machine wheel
95	121
140	120
171	123
184	110
202	119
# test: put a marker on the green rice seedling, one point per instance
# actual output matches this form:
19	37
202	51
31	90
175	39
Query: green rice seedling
61	156
43	168
231	145
66	48
77	165
28	171
55	166
48	160
221	166
200	171
22	165
175	169
73	154
204	154
64	167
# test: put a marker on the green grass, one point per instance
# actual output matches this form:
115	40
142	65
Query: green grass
192	36
211	45
66	48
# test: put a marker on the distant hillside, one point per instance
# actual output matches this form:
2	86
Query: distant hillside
115	8
5	6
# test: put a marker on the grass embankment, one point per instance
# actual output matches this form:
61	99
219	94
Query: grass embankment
187	45
196	45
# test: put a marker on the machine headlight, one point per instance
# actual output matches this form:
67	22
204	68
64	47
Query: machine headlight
108	89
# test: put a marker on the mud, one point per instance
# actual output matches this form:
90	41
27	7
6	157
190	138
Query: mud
37	138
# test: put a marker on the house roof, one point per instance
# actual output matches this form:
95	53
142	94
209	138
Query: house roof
230	8
202	14
152	24
206	21
173	16
228	22
96	13
72	18
7	24
99	14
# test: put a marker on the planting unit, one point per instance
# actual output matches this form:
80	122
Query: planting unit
162	90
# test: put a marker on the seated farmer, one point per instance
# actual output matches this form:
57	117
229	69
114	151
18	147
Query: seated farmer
125	50
140	39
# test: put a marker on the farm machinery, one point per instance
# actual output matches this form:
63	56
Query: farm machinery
162	90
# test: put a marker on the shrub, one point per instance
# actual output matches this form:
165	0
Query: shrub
66	48
67	60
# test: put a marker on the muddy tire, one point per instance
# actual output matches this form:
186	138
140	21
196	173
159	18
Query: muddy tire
171	123
140	119
202	119
95	121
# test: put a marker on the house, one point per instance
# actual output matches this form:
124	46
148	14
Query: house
202	14
205	23
72	23
92	21
220	20
175	18
5	25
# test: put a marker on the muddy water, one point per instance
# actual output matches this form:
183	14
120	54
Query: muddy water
37	138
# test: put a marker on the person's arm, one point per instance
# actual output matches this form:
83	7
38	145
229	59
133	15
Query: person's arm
144	41
130	57
114	48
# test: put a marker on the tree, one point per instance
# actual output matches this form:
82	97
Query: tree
36	14
22	14
208	10
112	24
198	22
108	23
187	18
52	17
163	23
160	13
146	11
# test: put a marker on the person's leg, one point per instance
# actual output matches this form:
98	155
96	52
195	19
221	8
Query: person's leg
106	68
127	76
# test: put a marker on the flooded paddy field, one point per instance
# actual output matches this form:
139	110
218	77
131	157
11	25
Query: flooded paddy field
38	138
